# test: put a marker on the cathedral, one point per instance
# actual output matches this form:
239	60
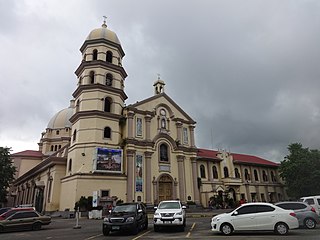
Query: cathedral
102	147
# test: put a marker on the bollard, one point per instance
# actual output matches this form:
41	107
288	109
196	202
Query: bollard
77	226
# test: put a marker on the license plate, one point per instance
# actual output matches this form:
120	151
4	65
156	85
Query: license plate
166	222
115	227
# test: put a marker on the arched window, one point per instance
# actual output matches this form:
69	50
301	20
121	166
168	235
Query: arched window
109	57
164	153
55	147
107	105
109	79
70	165
202	171
74	135
95	54
236	172
226	172
77	106
256	178
52	148
264	176
215	172
91	76
107	132
246	175
273	178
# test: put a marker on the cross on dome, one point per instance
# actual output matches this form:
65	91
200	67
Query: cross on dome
104	21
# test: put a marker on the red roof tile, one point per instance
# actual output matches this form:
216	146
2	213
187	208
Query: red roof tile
238	158
205	153
28	153
243	158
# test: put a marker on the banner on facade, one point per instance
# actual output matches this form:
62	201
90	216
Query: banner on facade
95	199
108	160
139	173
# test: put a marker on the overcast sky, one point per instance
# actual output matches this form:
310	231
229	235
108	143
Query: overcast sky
248	72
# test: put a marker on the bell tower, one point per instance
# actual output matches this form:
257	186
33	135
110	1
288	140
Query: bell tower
99	99
158	86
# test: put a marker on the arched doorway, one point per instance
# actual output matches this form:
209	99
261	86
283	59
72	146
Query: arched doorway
232	194
165	188
39	199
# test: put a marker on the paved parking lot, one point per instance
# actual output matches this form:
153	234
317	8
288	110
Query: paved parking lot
198	227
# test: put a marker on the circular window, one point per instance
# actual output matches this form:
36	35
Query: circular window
162	112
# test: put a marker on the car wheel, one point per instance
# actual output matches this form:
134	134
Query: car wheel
182	228
1	229
310	223
281	228
36	226
105	232
156	228
226	229
136	229
145	225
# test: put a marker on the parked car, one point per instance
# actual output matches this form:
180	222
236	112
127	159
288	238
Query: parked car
169	213
126	217
23	220
255	217
313	201
306	214
12	211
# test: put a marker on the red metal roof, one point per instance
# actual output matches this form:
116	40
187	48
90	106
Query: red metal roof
238	158
28	153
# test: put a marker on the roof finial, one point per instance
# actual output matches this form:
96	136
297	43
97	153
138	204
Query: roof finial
104	21
158	76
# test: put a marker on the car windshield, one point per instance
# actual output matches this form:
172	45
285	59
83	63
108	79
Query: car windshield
169	205
124	208
3	210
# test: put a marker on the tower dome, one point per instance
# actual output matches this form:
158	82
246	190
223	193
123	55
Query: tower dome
103	33
61	119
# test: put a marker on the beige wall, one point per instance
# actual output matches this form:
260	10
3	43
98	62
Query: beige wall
74	187
23	165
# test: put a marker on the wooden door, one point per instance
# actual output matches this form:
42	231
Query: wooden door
165	188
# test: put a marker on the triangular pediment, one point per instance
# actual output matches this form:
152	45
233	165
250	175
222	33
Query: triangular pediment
163	100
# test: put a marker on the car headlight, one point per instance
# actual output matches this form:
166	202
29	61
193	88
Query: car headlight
156	214
130	219
106	219
179	213
215	219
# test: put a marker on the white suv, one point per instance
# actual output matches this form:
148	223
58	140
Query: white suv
313	201
169	213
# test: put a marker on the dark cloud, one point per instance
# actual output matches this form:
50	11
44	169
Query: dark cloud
246	71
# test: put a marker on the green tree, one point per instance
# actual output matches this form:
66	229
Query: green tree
301	171
7	171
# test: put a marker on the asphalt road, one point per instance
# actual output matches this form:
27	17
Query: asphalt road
197	228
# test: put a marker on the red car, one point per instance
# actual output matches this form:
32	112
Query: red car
13	211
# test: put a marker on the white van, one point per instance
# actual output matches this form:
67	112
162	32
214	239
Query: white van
313	201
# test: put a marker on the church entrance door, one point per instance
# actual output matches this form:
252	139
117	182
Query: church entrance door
165	188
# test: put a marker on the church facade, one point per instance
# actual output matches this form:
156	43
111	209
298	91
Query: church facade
145	151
